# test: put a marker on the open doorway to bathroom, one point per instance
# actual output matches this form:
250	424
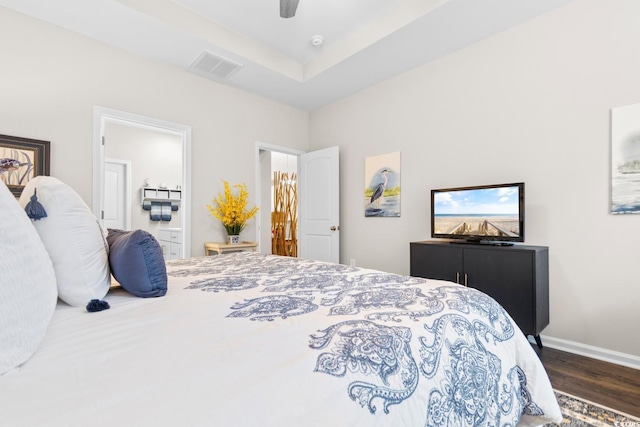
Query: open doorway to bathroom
141	177
154	196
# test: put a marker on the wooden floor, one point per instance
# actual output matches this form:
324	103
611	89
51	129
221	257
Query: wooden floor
608	384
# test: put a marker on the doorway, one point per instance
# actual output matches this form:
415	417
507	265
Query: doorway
145	154
117	194
318	204
284	204
270	158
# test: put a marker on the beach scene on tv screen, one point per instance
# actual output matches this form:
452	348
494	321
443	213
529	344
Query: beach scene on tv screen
491	212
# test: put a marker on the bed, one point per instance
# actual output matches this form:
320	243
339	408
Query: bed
247	339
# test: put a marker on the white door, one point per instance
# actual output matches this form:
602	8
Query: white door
117	194
319	210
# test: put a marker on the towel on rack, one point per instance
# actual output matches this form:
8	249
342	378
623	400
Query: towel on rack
155	213
165	211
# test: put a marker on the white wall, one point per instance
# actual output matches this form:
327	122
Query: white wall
283	162
531	104
50	80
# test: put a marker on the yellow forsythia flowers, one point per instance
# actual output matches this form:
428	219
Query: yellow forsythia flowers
232	209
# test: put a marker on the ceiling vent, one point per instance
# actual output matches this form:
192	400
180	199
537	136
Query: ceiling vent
215	66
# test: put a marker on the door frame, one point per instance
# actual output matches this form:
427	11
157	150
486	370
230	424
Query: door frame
103	115
263	146
127	188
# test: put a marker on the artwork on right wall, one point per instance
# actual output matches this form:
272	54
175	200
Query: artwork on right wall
625	159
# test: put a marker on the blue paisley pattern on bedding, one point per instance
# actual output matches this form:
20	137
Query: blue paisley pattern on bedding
380	353
272	306
368	339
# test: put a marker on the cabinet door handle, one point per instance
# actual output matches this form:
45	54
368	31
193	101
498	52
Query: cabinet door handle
465	279
457	278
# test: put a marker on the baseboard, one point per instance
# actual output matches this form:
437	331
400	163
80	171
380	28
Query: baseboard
611	356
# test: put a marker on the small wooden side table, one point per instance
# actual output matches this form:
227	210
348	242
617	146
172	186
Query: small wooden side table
221	247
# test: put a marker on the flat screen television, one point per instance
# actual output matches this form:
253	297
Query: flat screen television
491	214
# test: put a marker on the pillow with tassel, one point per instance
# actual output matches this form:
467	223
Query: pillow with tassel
73	238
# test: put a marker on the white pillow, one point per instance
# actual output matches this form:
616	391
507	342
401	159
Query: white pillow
28	293
74	240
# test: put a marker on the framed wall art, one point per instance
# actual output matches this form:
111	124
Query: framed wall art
22	159
382	185
625	159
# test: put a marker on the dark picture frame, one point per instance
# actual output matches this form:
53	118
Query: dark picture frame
32	158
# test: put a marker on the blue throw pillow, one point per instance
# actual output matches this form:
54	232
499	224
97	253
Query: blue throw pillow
137	263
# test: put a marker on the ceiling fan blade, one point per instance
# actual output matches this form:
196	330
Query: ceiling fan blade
288	8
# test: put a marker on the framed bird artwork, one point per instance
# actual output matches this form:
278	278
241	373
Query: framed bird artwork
22	159
382	185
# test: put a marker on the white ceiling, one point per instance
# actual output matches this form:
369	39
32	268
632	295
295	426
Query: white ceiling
365	41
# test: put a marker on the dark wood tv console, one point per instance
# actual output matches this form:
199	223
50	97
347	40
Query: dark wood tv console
515	276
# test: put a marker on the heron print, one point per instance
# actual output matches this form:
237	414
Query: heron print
382	185
15	166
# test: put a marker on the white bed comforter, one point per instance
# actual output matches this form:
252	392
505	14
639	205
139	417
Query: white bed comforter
247	339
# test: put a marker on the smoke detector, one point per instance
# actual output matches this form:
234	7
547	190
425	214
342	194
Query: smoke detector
317	40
